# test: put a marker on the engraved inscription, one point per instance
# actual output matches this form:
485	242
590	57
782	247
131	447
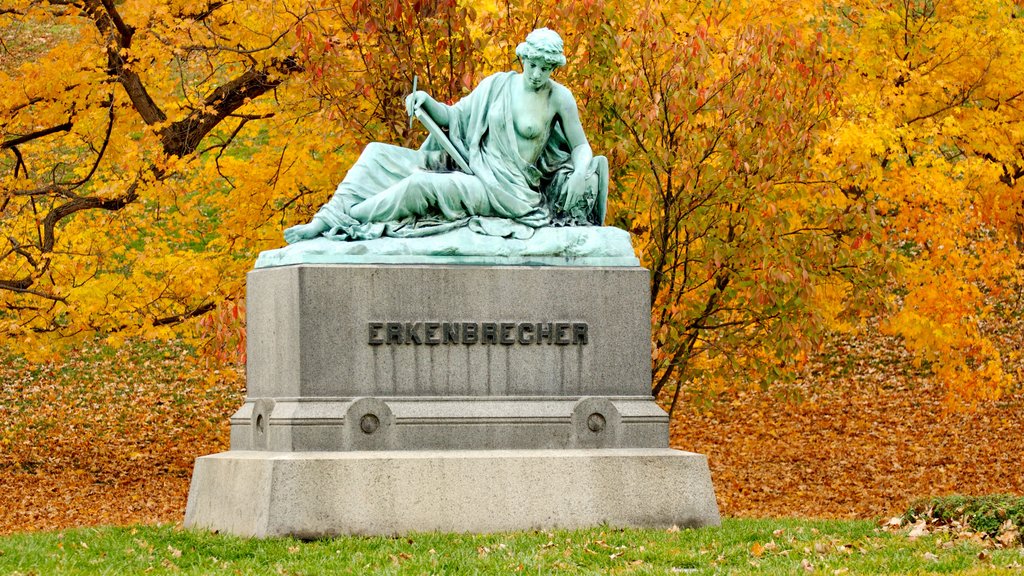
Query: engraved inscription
433	333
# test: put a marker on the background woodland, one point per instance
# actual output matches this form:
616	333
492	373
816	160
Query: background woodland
804	181
785	169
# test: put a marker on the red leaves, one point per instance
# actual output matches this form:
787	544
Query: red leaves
860	240
718	124
223	332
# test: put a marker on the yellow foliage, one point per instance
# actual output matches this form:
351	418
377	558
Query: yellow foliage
781	165
937	85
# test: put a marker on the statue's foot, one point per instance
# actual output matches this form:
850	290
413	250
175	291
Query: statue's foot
303	232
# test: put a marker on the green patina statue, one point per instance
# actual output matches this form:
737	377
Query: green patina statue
506	160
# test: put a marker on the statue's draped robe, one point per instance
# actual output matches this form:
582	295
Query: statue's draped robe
388	192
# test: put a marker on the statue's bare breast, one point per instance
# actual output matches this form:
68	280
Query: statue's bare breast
532	116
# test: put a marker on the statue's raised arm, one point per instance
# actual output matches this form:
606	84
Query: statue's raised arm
525	163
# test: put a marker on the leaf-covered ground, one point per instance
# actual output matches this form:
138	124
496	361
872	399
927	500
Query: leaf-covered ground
862	434
109	437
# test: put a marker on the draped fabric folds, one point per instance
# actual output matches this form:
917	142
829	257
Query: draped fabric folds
391	192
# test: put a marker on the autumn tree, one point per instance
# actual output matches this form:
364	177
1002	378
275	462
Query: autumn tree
742	235
101	132
930	130
709	120
155	148
777	164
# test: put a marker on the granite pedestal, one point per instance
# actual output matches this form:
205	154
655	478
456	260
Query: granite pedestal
316	494
394	398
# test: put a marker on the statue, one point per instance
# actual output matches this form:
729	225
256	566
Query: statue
509	158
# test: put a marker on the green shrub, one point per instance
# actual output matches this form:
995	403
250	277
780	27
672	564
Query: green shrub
981	513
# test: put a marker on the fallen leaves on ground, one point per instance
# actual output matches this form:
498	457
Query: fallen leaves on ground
110	437
861	435
987	521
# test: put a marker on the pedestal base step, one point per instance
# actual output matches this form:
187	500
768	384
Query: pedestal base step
318	494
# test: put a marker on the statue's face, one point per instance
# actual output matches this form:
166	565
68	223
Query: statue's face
537	73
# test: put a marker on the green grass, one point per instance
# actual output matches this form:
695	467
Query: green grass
739	546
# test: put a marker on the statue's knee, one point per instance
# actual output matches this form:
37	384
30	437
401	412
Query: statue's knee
418	191
419	182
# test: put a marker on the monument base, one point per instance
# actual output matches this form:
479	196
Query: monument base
316	494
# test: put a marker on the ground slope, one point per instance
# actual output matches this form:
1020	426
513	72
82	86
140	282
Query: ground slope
108	437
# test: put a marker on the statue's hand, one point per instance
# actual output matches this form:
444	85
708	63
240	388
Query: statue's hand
304	232
415	100
575	191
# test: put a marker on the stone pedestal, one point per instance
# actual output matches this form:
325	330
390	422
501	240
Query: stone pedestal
385	399
317	494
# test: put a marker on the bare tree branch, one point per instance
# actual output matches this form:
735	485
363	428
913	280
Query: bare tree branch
182	137
19	285
84	203
119	36
22	286
177	318
103	147
17	247
34	135
204	14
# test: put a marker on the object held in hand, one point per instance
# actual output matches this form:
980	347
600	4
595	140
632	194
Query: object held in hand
459	156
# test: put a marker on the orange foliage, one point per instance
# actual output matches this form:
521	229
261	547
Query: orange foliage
785	169
861	433
932	131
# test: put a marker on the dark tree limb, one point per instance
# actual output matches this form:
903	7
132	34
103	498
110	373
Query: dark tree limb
84	203
18	248
42	191
119	35
103	147
125	31
64	188
177	318
49	224
182	138
203	14
34	135
19	163
23	286
19	285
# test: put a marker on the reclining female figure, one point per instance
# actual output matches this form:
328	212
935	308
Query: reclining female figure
531	164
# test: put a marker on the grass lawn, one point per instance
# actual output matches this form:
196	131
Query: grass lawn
740	546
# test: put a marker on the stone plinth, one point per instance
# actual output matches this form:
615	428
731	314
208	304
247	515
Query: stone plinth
333	345
387	398
316	494
313	331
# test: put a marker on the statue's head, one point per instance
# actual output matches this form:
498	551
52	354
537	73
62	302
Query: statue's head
542	44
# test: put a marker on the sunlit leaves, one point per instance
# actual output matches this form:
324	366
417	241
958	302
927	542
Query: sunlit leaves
778	165
933	132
